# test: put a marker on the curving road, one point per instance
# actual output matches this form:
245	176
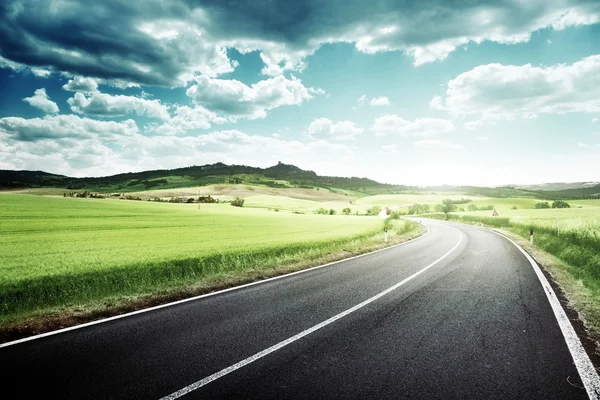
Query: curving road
456	314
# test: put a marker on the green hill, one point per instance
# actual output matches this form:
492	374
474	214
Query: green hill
278	176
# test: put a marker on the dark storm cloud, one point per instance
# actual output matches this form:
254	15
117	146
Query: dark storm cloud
165	43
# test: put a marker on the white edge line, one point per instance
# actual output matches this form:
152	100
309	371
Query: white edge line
129	314
261	354
587	372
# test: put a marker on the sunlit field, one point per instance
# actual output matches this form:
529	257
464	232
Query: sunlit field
54	250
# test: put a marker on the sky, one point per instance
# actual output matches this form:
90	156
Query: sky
455	92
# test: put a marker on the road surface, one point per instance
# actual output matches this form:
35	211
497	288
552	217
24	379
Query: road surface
456	314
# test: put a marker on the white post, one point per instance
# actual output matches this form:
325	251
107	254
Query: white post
531	236
385	235
557	224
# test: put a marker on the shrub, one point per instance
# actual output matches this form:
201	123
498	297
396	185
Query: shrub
346	211
206	199
514	207
418	209
375	210
544	204
190	200
321	211
238	202
472	207
395	215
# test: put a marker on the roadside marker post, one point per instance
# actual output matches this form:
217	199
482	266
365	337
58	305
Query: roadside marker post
531	236
385	234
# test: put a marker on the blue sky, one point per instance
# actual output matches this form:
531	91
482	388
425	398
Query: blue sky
480	93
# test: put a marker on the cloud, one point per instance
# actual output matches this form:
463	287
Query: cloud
84	147
393	125
437	143
167	44
388	149
81	84
185	119
342	130
594	120
236	100
41	100
583	145
106	105
380	101
63	126
505	92
375	101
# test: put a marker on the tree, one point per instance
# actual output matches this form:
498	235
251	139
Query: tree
543	204
448	206
346	211
238	202
472	207
560	204
331	211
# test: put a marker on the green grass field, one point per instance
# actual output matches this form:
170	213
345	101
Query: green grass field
65	251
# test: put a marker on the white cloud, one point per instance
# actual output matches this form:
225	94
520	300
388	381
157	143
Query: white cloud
41	72
505	92
81	84
594	120
41	100
186	119
436	103
84	147
388	149
380	101
393	125
438	144
482	138
64	126
375	101
342	130
106	105
583	145
235	100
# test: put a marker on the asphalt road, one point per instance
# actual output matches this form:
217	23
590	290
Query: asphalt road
473	323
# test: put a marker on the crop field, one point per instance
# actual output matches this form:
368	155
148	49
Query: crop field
58	251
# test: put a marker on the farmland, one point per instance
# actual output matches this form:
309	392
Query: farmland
64	252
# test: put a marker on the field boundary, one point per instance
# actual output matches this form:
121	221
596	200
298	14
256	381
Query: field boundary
128	314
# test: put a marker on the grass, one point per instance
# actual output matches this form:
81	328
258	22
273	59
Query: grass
65	252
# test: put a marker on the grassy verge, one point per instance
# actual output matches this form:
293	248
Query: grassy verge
55	301
572	259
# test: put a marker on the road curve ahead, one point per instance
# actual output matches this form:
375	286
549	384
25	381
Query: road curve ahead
456	314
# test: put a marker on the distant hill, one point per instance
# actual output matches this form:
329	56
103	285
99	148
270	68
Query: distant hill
557	186
278	176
